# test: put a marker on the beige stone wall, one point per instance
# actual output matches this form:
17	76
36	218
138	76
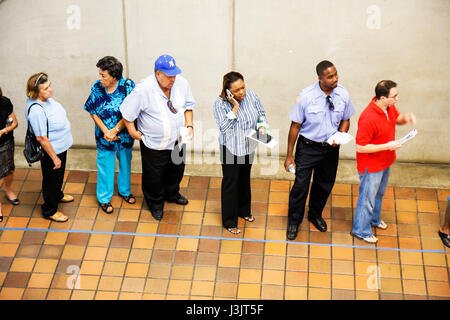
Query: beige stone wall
275	44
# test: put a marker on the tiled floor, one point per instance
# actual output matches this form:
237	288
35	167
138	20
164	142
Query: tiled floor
188	255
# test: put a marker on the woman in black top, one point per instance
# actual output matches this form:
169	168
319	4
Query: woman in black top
8	123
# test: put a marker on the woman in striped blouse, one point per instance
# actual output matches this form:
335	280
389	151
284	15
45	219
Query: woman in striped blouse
236	112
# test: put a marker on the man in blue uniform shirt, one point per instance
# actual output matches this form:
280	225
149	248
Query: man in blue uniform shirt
320	111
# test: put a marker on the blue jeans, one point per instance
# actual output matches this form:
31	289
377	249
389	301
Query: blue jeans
106	167
368	208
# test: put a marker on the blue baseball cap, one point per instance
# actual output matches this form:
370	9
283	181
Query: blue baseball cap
166	64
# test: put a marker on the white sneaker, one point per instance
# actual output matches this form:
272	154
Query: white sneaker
382	225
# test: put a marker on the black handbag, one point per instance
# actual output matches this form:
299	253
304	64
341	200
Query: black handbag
33	151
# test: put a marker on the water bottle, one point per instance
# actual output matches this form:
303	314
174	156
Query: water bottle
291	168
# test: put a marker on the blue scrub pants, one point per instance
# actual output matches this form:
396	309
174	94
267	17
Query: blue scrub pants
106	166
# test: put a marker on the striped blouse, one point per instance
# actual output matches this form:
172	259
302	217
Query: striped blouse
233	133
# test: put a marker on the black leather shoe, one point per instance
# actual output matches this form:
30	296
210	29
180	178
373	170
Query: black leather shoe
292	231
319	223
157	213
181	200
445	238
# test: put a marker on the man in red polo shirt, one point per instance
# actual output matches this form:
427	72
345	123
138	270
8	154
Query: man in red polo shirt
375	153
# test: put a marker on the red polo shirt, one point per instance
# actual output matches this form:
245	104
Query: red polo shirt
376	127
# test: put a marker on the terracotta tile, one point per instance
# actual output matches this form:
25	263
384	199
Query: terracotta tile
202	288
214	194
11	236
406	205
225	289
391	285
436	273
250	276
192	218
341	201
133	284
275	248
249	291
441	289
56	238
59	294
187	244
342	189
255	233
198	182
319	294
295	293
205	273
365	254
40	280
251	261
68	266
17	222
130	296
195	206
434	259
443	194
320	265
92	267
278	209
95	253
89	201
165	243
272	292
45	265
160	256
185	257
35	294
114	269
404	193
407	217
342	294
368	283
74	188
427	206
206	245
106	295
323	252
296	278
363	268
275	197
342	253
83	295
366	295
227	274
343	281
342	267
273	277
299	250
51	251
178	286
28	251
387	241
100	240
16	279
156	286
259	208
341	226
159	271
319	280
212	219
182	272
412	272
429	218
389	270
408	230
414	287
73	252
8	249
140	255
77	239
275	262
11	294
215	182
121	241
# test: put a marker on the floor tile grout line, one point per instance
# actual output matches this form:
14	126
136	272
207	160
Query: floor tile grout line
421	244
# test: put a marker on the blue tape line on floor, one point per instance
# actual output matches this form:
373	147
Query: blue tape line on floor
219	238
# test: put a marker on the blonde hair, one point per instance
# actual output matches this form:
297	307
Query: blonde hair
33	83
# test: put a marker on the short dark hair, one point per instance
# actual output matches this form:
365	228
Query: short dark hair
383	88
1	93
228	79
112	65
322	66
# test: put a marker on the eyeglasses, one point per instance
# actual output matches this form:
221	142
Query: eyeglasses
170	106
331	106
39	78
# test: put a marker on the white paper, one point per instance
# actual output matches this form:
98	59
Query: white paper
272	143
409	136
340	138
184	136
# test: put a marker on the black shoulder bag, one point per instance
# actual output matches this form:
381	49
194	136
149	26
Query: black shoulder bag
33	151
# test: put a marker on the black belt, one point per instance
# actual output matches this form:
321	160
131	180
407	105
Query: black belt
314	143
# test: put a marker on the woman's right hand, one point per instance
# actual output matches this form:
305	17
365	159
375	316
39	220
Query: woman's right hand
56	162
111	135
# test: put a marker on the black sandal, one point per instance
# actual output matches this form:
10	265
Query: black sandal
128	198
14	202
105	207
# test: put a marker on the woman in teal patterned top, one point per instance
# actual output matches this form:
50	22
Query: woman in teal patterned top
111	136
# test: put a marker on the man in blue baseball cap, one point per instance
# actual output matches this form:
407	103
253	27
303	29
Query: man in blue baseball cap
162	104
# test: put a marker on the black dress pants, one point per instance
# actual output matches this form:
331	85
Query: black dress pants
162	172
322	163
52	182
235	191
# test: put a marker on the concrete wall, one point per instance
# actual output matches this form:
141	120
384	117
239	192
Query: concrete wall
275	44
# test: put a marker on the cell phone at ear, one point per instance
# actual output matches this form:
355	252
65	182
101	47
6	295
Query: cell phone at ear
229	93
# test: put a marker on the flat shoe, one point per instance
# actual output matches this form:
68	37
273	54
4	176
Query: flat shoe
234	230
67	198
371	240
105	207
382	225
15	201
58	217
130	199
249	218
445	238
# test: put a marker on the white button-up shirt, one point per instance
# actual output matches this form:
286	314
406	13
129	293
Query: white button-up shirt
148	104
